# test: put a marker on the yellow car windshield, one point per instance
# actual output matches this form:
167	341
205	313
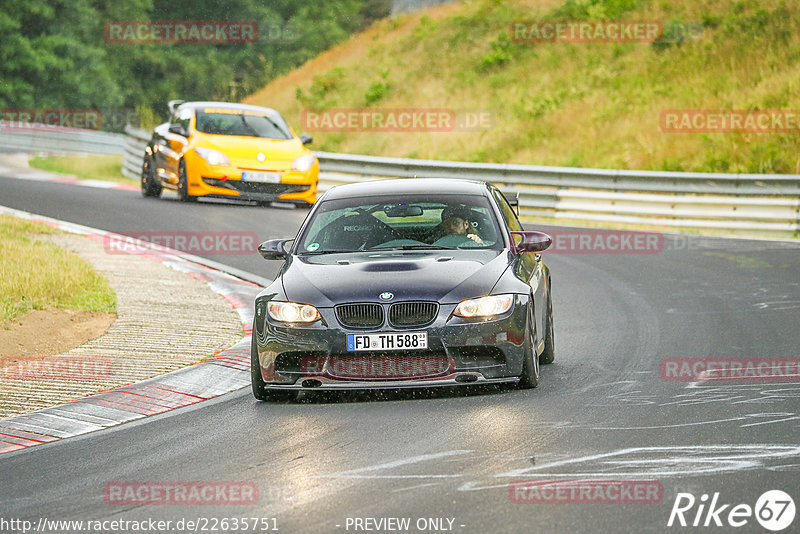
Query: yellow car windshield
235	122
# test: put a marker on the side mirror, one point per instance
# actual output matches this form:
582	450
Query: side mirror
177	128
273	249
306	139
530	241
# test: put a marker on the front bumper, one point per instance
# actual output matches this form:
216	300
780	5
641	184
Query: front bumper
226	182
475	351
261	192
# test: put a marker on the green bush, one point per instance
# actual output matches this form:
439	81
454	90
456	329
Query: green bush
322	93
595	9
377	90
500	53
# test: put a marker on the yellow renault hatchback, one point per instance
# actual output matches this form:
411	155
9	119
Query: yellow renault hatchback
222	150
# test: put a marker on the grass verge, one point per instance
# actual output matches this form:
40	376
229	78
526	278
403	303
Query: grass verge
35	275
93	167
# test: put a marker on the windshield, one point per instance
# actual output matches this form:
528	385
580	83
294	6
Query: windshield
243	123
423	222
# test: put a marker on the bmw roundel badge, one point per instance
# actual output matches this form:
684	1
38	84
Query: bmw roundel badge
386	295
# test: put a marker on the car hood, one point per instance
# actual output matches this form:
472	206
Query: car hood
444	276
243	151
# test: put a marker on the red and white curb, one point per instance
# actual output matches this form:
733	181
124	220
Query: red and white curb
45	176
226	371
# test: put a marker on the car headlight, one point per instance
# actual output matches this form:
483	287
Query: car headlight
484	306
212	157
303	163
290	312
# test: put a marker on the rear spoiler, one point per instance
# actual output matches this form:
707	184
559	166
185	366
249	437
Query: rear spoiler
173	105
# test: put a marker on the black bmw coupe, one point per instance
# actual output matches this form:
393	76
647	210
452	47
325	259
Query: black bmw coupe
404	283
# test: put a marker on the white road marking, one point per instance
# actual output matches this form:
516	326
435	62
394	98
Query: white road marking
416	487
361	472
674	461
794	417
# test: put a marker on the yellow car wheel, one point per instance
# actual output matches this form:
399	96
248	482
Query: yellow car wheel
149	181
183	184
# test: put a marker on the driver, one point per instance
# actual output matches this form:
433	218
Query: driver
455	221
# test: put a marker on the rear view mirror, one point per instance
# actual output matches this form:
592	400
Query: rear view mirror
530	241
306	139
403	210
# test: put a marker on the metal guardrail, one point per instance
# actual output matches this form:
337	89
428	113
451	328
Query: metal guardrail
135	141
765	203
46	139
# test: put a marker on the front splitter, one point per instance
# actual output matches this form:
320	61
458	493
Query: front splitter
325	383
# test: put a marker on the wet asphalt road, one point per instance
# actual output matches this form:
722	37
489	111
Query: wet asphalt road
444	460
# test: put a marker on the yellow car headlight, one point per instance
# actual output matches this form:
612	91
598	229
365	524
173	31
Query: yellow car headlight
303	163
484	306
213	157
290	312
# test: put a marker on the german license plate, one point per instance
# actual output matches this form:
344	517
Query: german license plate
388	341
263	177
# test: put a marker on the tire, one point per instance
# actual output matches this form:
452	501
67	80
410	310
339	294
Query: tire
183	184
529	378
260	391
149	182
549	353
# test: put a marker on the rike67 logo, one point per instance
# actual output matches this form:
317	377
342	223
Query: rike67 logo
774	510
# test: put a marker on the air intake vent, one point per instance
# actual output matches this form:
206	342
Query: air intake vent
360	315
412	313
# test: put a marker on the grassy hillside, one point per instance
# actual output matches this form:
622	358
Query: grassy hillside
572	104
